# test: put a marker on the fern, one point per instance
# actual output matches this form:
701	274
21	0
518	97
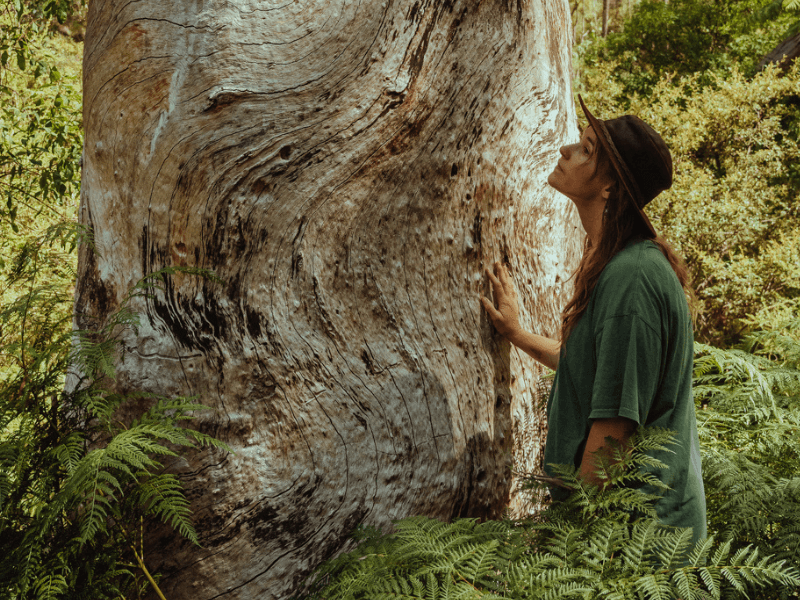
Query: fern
596	544
791	4
75	482
749	425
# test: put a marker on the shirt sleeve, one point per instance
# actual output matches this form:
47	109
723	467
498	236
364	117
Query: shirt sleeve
628	353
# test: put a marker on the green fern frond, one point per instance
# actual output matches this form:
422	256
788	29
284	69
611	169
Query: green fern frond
9	451
69	452
641	540
50	587
712	578
162	496
654	586
671	550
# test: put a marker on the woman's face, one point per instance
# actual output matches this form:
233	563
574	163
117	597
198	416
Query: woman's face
576	174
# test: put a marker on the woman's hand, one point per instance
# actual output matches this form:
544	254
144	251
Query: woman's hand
505	316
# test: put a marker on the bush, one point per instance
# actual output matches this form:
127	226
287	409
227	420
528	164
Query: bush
689	37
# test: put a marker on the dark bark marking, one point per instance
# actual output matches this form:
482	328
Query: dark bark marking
412	13
463	508
477	225
297	263
367	361
99	299
418	56
222	99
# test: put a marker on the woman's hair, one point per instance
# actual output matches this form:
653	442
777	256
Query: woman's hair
621	223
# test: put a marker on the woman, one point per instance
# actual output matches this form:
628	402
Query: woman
624	357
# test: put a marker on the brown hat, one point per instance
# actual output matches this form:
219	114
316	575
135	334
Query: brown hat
639	155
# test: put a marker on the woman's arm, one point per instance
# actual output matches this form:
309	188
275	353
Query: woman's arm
505	318
619	428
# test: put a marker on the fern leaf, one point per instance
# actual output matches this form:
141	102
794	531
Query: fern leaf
700	552
641	538
654	586
671	549
50	587
162	496
711	578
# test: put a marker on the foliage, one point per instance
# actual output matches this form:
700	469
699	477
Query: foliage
40	146
688	37
75	481
732	210
40	136
590	546
749	426
607	543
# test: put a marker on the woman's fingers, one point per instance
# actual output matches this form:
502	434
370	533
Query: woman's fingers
495	281
504	312
493	312
505	278
487	304
502	273
500	288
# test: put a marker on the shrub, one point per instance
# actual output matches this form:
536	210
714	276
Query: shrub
689	37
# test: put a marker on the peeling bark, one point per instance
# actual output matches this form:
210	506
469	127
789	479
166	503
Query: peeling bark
348	169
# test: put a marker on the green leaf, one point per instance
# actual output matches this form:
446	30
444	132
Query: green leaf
21	60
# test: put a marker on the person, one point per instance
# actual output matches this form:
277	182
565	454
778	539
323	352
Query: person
625	352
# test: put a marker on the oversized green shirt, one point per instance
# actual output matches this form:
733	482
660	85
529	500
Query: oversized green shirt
630	355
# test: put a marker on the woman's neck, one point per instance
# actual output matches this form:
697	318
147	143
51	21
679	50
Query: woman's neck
591	215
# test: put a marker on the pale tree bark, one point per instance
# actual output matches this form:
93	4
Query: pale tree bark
348	168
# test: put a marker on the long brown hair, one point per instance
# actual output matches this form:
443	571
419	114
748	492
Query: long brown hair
621	224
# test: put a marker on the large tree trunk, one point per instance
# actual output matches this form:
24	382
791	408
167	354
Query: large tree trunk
348	169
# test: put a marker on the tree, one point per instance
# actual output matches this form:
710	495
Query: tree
347	170
783	54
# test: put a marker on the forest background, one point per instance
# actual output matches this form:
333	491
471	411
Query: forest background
75	487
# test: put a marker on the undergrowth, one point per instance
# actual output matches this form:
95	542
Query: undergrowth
77	485
607	543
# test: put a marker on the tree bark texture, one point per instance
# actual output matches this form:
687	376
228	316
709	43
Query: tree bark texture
783	55
348	168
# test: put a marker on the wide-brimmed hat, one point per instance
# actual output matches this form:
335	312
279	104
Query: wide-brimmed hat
639	156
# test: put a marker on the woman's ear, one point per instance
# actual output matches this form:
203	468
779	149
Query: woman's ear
607	189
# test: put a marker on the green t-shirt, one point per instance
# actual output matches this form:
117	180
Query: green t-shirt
630	355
